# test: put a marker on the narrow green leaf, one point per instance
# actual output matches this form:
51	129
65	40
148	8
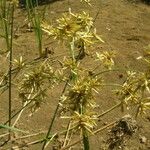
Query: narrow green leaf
11	128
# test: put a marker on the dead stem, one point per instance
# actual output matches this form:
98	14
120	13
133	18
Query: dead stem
95	132
19	115
3	135
109	110
66	147
67	134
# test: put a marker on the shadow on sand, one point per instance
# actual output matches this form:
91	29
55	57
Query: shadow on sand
34	3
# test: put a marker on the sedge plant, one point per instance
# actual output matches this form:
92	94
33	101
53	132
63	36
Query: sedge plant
77	32
77	102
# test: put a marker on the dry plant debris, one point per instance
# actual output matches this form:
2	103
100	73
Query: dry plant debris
122	131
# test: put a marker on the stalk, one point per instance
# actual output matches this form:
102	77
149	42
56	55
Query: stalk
85	140
18	112
34	17
8	22
67	134
50	127
5	22
109	110
53	119
10	64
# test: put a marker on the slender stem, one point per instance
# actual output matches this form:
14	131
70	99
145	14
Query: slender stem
67	134
22	109
106	71
23	137
96	16
109	110
10	65
112	84
18	112
50	127
72	50
34	17
85	140
70	137
5	21
2	135
105	127
53	118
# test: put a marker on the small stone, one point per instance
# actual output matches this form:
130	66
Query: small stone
105	123
143	139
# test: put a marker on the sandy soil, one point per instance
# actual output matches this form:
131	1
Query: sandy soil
124	26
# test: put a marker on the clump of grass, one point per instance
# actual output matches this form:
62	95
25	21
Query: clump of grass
35	18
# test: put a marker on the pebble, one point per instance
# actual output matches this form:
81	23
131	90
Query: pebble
143	139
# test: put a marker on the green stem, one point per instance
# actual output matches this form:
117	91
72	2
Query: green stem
34	17
18	112
50	127
85	140
6	23
53	118
10	64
